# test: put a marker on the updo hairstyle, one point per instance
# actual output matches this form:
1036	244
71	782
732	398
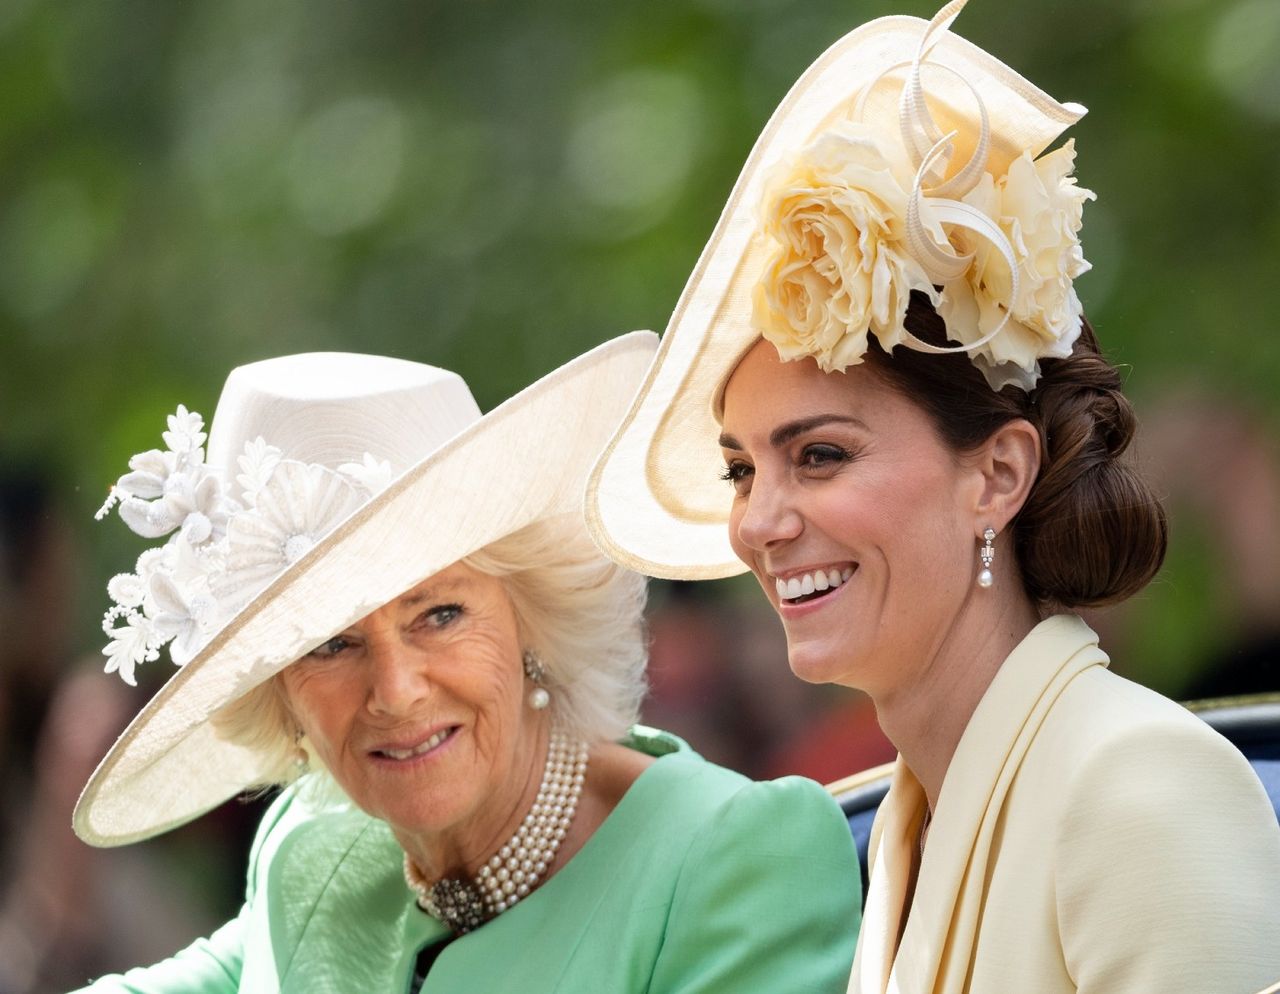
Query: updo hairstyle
1091	531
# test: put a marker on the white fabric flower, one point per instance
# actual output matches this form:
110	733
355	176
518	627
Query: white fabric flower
130	644
127	589
153	559
219	552
193	564
151	471
840	267
187	620
374	475
161	490
184	434
299	505
148	518
191	501
256	464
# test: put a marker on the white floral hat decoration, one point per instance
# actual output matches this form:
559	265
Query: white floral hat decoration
223	549
333	483
904	159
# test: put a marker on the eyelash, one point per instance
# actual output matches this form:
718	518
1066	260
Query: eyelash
325	650
825	453
454	611
829	454
428	618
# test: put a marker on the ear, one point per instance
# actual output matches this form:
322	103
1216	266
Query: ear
1009	462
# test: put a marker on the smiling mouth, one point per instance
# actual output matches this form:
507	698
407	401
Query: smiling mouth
810	586
421	749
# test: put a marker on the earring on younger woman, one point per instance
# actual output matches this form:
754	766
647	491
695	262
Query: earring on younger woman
539	697
988	555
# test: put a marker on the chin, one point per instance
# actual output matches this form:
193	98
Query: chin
422	819
415	807
818	663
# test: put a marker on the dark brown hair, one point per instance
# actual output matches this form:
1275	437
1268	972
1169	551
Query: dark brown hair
1091	531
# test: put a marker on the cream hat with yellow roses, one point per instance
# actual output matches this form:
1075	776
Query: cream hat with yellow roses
905	159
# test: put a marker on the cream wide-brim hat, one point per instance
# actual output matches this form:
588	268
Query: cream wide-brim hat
656	502
524	461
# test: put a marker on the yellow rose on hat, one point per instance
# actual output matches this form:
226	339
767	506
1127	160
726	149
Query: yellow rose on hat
1039	207
840	268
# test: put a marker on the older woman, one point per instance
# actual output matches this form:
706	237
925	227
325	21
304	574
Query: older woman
922	448
368	579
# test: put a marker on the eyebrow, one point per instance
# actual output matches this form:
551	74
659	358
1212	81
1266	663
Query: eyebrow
793	429
435	591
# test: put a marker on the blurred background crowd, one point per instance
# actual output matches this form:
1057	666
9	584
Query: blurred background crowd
495	187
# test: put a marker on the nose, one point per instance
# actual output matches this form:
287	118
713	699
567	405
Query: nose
769	518
397	677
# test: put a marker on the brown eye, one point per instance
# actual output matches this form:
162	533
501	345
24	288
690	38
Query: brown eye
824	456
739	474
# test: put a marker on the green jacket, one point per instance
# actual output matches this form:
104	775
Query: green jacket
699	881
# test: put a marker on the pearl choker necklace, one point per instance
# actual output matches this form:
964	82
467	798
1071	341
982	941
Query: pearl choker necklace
515	869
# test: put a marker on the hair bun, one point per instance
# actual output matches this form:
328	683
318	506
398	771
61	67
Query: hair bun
1092	531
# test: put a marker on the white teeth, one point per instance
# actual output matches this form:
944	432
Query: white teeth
808	583
418	750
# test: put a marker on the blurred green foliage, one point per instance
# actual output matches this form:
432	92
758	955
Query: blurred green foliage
497	186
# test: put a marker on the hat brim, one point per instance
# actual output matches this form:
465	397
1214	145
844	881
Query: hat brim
525	460
655	501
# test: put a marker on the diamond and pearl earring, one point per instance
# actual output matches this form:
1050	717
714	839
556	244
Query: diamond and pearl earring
539	697
988	555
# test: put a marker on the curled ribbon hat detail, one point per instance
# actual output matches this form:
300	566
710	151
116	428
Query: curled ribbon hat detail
874	208
904	159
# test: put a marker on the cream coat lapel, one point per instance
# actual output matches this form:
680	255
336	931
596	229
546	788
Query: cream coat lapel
942	928
890	851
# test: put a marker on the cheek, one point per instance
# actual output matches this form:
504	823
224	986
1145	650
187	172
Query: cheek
740	549
487	675
316	705
910	525
924	537
744	551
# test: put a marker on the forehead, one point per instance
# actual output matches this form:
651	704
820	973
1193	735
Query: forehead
763	390
457	579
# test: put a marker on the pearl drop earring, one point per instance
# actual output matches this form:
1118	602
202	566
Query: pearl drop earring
988	555
539	697
301	760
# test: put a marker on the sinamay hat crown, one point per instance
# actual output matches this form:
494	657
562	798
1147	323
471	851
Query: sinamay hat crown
904	159
334	483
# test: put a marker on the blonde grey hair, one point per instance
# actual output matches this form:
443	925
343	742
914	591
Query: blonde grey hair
580	613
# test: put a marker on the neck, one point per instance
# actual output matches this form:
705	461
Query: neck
461	850
926	716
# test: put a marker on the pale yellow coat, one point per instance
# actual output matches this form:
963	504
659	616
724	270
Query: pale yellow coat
1091	836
